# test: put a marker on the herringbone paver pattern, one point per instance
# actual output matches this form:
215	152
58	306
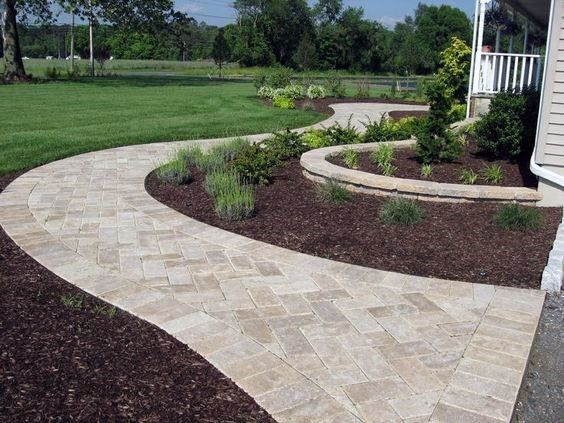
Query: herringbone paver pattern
308	338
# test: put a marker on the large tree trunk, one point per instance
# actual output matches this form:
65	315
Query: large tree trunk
14	67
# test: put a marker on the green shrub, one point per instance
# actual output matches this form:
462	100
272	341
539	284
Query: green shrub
468	177
285	145
457	113
332	192
266	92
351	158
342	135
492	174
254	164
295	92
279	78
210	161
334	85
316	138
435	143
383	155
513	217
426	171
221	181
389	130
363	89
236	203
315	91
174	172
509	128
401	211
52	73
284	102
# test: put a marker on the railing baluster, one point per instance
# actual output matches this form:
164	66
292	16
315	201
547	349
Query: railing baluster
515	71
508	72
538	72
530	76
500	73
523	70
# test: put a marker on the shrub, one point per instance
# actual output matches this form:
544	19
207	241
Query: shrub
351	158
334	84
401	211
468	177
383	155
266	92
316	138
279	78
435	143
285	145
221	181
254	164
174	172
208	162
315	91
284	102
457	113
342	135
52	73
513	217
508	129
236	203
332	192
426	171
294	92
388	130
492	174
191	155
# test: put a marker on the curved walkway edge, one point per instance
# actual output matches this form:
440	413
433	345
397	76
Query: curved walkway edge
310	339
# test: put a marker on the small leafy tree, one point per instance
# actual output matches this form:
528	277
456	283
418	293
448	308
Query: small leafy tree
221	52
102	54
454	68
435	143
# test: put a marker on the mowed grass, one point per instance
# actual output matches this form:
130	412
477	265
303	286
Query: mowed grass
40	123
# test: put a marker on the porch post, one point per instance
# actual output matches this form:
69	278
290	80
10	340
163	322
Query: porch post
472	61
526	39
479	45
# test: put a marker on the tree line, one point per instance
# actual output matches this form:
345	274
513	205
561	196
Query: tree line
290	33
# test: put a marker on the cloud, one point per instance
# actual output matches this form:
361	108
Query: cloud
190	7
389	21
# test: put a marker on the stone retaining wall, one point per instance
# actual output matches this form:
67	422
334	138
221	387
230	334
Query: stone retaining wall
318	169
553	275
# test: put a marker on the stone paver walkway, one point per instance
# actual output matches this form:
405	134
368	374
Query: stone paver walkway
310	339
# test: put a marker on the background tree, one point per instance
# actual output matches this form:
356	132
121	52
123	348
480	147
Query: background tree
221	52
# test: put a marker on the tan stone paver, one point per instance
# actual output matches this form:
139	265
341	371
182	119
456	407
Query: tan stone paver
310	339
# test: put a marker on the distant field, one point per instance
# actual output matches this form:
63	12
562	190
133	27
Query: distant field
43	122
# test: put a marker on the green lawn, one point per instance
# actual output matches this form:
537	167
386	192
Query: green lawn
40	123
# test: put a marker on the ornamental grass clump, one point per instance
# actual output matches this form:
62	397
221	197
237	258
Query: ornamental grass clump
230	149
332	192
513	217
383	156
235	203
351	158
492	174
174	172
402	211
221	181
426	171
468	177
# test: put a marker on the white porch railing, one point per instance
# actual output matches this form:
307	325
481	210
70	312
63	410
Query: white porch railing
507	72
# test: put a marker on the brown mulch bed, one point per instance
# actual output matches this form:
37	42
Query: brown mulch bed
66	364
455	241
321	105
515	174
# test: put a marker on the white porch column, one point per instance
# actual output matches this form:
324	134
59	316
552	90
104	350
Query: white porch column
481	24
526	39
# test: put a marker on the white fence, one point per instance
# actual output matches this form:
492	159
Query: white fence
507	72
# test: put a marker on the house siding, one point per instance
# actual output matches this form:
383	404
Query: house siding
550	146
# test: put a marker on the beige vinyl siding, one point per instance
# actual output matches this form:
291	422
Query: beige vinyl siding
550	148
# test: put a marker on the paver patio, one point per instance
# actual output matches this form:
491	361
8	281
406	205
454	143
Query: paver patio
310	339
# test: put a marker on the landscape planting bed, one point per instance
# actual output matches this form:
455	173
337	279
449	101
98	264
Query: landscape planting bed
515	174
455	241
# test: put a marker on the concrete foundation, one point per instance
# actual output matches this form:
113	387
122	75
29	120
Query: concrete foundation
479	105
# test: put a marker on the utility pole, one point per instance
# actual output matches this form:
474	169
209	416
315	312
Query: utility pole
91	33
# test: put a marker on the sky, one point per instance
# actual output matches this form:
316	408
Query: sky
388	12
